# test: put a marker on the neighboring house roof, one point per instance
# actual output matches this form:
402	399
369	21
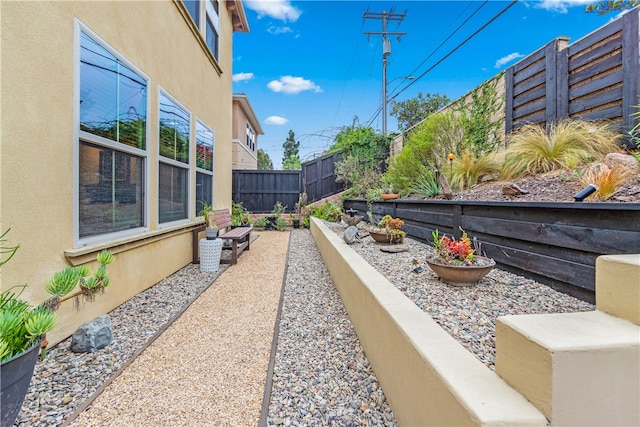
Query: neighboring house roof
238	17
241	98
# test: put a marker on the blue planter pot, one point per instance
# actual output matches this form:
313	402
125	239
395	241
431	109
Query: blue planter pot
16	377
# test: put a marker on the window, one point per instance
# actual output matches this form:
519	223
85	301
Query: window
173	180
112	145
193	7
204	165
212	29
251	137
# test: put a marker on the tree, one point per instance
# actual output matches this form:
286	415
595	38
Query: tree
264	161
604	7
414	110
362	143
290	147
291	163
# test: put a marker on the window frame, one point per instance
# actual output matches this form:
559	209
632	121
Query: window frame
212	15
198	170
78	135
174	163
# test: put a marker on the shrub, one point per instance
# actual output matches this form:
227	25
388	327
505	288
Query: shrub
468	169
328	211
425	150
567	143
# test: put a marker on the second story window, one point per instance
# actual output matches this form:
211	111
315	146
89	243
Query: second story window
212	27
193	6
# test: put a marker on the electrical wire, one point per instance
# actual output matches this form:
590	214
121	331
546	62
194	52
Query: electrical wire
475	33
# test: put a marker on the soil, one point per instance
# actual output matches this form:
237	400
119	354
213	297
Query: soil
552	187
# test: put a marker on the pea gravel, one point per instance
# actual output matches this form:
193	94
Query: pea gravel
320	374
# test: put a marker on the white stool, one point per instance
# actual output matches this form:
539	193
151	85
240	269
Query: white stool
210	253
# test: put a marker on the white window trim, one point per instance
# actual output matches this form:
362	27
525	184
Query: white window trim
171	162
80	27
205	171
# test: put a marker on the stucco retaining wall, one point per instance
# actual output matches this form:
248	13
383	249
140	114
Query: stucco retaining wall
427	377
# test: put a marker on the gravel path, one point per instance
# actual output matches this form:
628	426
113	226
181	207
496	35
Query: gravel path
321	375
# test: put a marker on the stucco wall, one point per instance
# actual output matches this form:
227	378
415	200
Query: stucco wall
39	134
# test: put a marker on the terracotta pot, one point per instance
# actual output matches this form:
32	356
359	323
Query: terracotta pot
380	237
384	237
466	275
389	196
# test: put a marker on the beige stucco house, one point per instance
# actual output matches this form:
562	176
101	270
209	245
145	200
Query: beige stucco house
246	129
115	122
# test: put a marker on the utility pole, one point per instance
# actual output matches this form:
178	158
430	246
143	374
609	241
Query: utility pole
386	51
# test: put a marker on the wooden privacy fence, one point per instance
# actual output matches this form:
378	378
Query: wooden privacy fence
319	177
595	78
260	190
553	243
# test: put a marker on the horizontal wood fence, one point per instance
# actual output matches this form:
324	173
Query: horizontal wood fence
584	80
260	190
553	243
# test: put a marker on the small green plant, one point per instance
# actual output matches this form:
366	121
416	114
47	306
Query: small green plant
21	325
328	211
207	214
239	215
281	224
261	222
426	186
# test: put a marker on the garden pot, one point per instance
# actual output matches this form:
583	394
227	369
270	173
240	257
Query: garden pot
389	196
351	220
16	377
212	233
380	237
296	223
465	275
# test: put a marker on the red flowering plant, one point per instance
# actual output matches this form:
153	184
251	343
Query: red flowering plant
453	252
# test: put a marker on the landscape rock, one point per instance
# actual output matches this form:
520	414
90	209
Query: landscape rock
351	235
513	190
92	336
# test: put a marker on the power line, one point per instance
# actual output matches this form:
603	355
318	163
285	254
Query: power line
457	47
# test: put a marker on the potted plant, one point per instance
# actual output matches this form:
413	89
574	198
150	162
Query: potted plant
389	230
295	222
211	229
456	261
23	327
301	209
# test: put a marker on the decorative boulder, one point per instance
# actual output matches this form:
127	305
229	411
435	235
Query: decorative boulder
351	235
92	336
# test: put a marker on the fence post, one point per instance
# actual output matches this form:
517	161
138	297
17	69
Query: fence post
508	101
556	81
631	69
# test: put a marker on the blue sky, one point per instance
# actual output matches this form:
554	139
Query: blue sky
308	66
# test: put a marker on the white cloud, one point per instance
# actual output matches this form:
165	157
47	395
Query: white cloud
275	120
506	59
292	85
279	30
276	9
241	77
560	6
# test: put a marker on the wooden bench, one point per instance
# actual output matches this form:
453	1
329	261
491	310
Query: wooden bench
222	218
